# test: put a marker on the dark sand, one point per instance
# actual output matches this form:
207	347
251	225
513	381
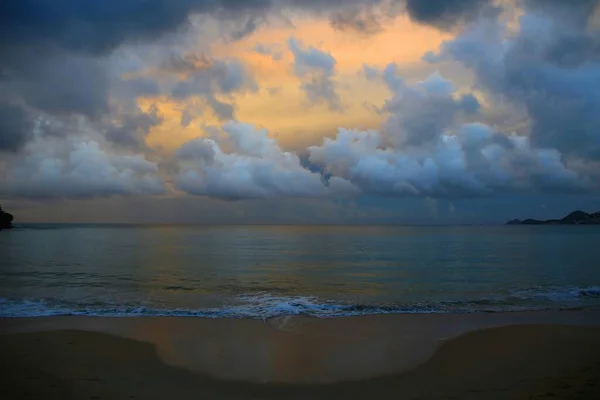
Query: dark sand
477	356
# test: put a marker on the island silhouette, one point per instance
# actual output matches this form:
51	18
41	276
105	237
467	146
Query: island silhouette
575	218
6	220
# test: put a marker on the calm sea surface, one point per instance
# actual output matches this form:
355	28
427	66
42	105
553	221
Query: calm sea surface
262	271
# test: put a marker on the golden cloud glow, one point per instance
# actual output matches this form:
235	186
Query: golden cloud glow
280	105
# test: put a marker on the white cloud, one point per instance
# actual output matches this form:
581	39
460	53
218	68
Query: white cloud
429	146
256	167
420	113
470	162
77	168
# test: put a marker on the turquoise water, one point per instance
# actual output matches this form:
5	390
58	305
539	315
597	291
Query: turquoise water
263	271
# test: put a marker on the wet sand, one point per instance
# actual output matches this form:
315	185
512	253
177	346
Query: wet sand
475	356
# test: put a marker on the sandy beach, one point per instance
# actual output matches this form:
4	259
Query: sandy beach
421	356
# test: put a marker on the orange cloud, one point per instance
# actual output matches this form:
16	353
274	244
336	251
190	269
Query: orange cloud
281	106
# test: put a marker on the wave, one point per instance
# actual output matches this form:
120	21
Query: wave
266	305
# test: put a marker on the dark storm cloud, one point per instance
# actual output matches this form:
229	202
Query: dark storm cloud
15	126
570	42
366	19
139	86
63	84
133	128
443	13
99	26
551	67
370	17
579	9
356	20
51	54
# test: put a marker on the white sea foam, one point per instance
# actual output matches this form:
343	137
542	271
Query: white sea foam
265	305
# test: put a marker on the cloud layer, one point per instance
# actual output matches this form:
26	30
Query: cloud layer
82	88
78	169
256	167
549	67
428	148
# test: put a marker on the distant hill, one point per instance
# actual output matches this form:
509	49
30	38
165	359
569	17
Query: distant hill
5	220
575	218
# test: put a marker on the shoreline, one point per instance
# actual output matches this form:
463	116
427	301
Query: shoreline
264	306
516	362
298	349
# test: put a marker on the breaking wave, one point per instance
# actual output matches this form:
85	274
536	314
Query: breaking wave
264	305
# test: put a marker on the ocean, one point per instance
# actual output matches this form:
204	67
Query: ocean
322	271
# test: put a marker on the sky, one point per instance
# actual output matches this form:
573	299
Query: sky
290	111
